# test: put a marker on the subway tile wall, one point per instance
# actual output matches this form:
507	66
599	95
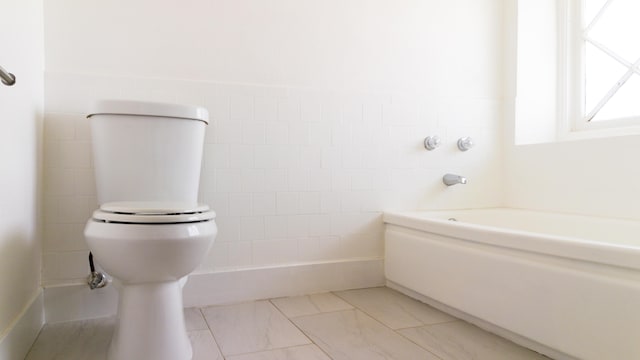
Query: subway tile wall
294	175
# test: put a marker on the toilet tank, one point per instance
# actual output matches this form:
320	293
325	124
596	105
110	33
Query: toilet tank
144	151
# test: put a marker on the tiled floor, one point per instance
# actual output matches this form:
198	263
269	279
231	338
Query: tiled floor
368	324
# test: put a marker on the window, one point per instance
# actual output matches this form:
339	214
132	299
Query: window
603	63
579	71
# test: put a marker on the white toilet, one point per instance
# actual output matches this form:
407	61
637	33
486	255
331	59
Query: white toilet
150	232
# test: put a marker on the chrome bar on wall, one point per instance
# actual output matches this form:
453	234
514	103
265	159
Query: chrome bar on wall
7	77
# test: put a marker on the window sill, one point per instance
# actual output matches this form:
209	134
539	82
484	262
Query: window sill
598	133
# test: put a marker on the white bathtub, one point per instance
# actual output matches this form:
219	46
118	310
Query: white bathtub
565	285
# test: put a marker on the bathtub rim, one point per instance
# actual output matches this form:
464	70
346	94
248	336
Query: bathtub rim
573	248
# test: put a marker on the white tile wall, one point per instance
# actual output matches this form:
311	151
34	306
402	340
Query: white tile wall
294	175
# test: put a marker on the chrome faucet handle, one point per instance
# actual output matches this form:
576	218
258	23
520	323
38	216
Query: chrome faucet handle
432	142
465	143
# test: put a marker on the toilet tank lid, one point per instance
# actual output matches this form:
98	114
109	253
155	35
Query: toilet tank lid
145	108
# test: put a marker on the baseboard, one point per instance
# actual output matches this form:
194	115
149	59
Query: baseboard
78	302
518	339
72	302
18	340
290	280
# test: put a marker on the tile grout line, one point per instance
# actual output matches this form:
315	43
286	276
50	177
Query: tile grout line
356	308
420	346
299	329
211	332
394	330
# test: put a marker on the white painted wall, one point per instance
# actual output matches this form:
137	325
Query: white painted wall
597	177
446	48
319	109
536	60
21	110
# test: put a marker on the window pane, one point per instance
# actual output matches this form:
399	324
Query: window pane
591	8
619	29
602	72
626	102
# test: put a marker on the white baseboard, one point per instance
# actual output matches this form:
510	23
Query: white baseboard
77	301
18	340
291	280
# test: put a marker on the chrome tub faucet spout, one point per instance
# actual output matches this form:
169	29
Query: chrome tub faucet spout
452	179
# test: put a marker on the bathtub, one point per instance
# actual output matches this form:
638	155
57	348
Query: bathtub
565	285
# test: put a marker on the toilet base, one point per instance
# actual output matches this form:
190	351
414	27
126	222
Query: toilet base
150	324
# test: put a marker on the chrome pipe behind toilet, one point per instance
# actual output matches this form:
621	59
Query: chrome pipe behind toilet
96	279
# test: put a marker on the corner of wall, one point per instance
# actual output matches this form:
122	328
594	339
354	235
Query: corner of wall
17	341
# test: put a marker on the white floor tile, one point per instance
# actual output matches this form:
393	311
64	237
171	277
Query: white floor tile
304	352
194	320
78	340
460	340
352	335
204	346
259	331
310	304
394	309
251	327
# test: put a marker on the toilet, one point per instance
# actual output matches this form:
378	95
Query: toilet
150	232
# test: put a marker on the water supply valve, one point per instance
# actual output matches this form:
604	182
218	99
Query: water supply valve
432	142
465	143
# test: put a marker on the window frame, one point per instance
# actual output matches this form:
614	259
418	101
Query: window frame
572	76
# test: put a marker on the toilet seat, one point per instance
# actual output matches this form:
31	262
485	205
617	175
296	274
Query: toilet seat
153	213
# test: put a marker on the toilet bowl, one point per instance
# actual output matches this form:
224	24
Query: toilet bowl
148	248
